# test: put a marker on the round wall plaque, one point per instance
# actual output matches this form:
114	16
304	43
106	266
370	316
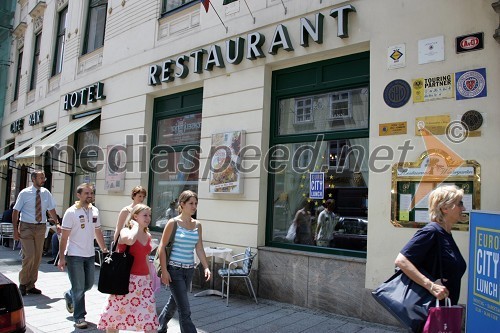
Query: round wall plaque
397	93
473	119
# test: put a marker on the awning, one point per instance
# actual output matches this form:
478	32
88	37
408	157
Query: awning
3	159
56	137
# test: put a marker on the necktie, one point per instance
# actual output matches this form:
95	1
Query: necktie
38	207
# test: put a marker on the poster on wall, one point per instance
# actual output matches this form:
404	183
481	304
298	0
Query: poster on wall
115	168
483	301
225	175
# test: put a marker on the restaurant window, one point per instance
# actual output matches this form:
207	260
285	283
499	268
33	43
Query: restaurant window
60	39
18	74
171	5
331	149
86	156
36	59
175	152
96	25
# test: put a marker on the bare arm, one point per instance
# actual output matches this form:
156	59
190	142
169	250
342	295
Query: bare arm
200	252
53	215
15	221
437	290
100	239
122	217
129	236
165	237
62	247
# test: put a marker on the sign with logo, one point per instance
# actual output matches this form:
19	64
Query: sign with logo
397	93
472	42
396	56
430	50
483	301
434	124
433	88
316	185
35	118
392	128
471	84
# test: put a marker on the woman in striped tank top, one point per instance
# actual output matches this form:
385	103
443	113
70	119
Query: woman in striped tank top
178	272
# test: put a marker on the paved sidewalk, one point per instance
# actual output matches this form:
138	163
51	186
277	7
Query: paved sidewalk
47	313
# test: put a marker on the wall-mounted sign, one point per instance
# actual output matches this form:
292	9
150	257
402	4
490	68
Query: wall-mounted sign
396	56
413	181
433	124
471	84
251	47
473	119
225	162
35	118
115	168
430	50
432	88
83	96
397	93
471	42
392	128
17	125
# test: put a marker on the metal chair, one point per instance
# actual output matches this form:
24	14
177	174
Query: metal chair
108	239
7	232
233	271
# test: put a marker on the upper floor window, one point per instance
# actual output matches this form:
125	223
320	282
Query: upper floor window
60	38
18	74
303	110
169	5
36	59
96	24
340	105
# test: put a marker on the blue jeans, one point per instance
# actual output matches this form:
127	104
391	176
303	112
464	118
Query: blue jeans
81	275
55	245
181	281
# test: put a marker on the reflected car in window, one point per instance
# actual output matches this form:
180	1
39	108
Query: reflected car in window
350	233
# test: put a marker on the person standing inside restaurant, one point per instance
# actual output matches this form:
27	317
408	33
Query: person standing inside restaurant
435	240
138	195
178	271
326	224
29	221
80	224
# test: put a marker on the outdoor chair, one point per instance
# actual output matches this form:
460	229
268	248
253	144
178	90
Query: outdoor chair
108	239
7	232
234	271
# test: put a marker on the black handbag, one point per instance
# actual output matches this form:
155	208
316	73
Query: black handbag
114	275
168	250
405	299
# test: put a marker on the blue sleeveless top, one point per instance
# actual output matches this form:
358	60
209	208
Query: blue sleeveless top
184	243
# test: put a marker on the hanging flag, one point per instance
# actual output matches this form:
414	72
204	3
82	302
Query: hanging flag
206	4
227	2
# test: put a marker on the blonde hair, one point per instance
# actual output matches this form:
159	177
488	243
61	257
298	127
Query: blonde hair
184	197
443	197
136	210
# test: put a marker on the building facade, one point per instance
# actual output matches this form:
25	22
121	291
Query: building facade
268	109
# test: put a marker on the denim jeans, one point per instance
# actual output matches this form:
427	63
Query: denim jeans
81	275
181	281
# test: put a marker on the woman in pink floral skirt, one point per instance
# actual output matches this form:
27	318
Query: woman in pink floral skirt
135	311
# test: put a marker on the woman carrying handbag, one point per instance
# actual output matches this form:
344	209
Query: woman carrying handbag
135	311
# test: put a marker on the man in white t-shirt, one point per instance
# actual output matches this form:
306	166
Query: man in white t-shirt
80	224
326	225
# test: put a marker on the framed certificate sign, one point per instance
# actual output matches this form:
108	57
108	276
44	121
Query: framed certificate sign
225	161
413	181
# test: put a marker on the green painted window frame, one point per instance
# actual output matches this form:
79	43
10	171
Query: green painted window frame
336	74
175	105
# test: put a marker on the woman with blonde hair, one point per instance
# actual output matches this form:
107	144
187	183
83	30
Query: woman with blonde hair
138	195
177	273
433	246
135	311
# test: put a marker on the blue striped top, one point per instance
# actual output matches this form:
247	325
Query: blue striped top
184	243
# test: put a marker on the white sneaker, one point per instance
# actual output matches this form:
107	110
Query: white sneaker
81	323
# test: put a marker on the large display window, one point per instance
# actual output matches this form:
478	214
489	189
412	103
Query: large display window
319	166
175	152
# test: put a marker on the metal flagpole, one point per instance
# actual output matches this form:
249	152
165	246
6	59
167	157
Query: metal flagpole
250	11
218	15
283	5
